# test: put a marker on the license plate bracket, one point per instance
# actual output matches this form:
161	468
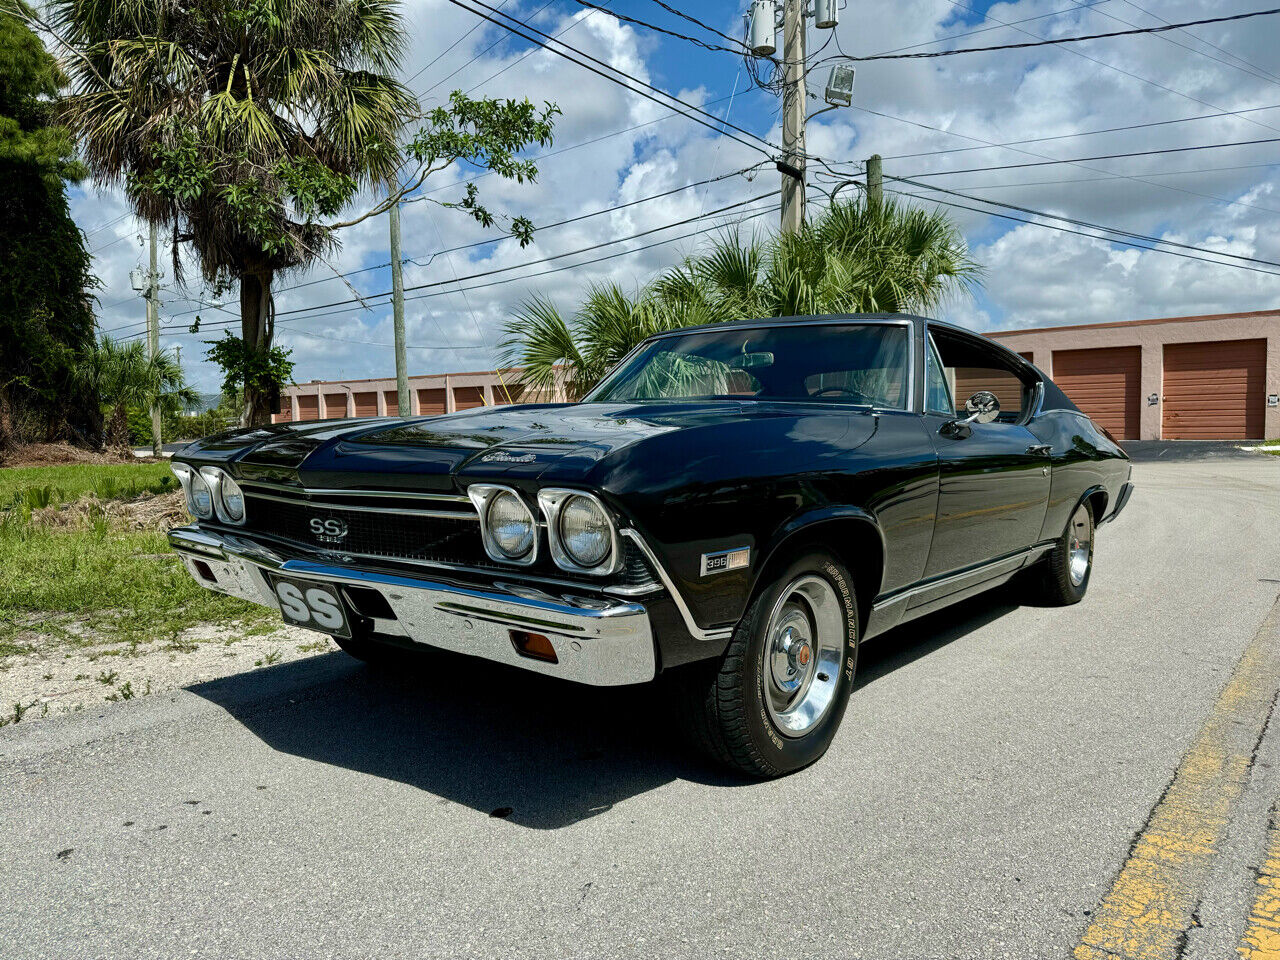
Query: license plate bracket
310	604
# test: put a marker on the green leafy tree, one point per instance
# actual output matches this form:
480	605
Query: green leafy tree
122	375
854	258
46	312
246	126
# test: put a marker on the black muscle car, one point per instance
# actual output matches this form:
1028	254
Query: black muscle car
735	506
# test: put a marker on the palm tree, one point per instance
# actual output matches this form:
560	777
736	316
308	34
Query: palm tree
123	376
243	126
855	258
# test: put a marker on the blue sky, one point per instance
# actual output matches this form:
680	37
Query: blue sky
1218	200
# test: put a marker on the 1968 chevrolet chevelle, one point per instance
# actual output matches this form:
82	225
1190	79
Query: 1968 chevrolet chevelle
736	506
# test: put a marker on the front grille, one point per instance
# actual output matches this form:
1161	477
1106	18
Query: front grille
398	530
390	533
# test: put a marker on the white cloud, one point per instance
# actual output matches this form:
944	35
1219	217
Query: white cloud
1034	276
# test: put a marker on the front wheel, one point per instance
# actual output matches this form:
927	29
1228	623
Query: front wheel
774	701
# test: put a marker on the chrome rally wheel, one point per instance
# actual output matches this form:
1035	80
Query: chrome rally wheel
803	649
773	702
1079	545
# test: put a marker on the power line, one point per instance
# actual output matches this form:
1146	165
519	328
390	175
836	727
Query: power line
1061	40
531	263
1209	43
1105	156
445	51
1085	223
1178	43
1080	233
1120	70
1082	165
1083	133
737	50
1000	25
706	119
572	266
480	243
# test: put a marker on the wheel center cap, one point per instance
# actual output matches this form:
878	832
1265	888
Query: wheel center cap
802	654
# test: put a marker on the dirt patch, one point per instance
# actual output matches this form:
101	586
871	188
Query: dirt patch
53	678
61	454
147	511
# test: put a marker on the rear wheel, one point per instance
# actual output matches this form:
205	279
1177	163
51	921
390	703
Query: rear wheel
1065	572
773	703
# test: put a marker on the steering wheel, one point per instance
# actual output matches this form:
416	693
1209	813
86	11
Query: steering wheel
844	392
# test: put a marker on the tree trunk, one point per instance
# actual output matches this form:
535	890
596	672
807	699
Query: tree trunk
117	439
257	329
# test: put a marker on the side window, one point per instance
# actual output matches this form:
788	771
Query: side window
970	365
937	396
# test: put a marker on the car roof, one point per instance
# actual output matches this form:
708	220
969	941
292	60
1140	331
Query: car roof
798	321
843	317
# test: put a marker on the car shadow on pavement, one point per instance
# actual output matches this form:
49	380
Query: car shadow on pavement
535	751
918	638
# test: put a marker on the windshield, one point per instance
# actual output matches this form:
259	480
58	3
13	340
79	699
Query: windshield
842	363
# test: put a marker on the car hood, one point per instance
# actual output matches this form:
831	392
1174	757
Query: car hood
549	442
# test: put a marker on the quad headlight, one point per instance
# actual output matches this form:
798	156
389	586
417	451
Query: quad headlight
507	526
580	531
210	492
196	489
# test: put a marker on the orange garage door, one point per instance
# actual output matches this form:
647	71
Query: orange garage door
1105	383
335	405
464	398
308	407
366	403
431	401
1215	390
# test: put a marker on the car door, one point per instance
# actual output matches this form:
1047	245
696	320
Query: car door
993	478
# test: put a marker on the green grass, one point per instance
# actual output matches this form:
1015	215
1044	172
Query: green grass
36	487
100	585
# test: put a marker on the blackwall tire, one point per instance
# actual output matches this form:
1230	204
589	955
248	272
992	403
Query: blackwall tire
773	703
1065	572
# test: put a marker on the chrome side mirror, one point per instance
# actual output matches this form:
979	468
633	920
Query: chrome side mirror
982	407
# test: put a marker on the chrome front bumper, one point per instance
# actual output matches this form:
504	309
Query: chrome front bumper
598	640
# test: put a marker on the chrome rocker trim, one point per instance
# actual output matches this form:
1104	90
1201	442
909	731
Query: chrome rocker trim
598	641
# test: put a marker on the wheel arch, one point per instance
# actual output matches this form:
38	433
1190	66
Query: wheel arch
1097	498
850	533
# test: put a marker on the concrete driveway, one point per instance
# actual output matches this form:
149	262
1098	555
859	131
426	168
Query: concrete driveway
1010	781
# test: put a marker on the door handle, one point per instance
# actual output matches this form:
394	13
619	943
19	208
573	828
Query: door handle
1039	448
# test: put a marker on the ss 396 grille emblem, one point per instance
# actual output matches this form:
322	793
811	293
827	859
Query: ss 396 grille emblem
330	530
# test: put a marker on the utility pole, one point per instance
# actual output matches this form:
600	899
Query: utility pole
397	302
793	110
153	336
875	181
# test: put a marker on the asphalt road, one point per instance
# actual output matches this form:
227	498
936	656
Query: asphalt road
998	772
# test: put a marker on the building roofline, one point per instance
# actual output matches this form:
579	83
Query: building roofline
1138	323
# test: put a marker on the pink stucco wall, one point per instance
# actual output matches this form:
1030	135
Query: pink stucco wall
1151	336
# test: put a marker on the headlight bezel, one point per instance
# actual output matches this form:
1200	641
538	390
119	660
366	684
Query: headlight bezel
483	495
188	476
218	479
552	501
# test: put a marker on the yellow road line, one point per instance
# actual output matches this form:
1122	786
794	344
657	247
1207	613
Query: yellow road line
1261	940
1151	905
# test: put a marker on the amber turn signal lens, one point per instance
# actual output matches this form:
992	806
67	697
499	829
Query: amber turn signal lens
534	646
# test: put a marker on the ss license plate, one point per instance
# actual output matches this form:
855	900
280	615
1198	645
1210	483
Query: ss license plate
316	606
